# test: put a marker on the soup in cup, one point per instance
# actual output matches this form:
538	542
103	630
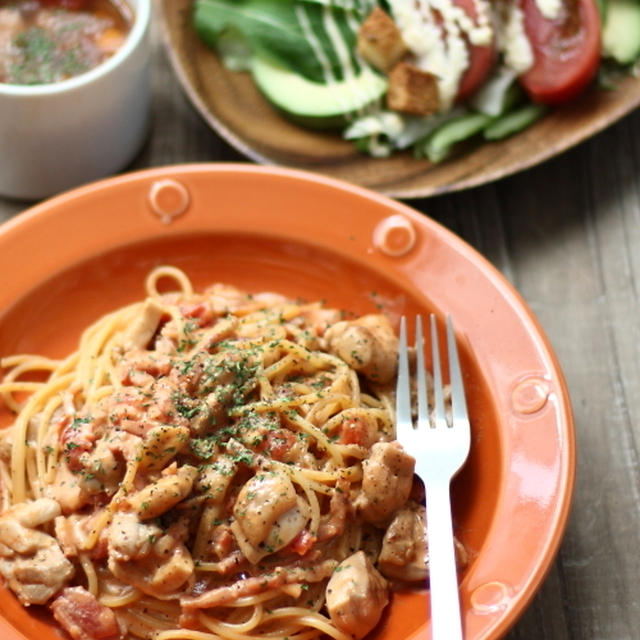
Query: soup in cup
74	91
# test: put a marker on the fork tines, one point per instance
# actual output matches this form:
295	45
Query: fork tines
403	392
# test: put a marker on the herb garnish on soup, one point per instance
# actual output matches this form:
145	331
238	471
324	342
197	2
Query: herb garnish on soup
44	41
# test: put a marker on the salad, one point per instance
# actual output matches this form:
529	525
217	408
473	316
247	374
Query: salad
424	75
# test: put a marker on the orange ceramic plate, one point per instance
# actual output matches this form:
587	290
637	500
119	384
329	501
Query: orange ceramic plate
230	103
85	252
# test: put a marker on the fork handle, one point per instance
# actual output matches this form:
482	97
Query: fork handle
446	621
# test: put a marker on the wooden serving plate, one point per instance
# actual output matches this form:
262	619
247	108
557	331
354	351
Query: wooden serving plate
235	109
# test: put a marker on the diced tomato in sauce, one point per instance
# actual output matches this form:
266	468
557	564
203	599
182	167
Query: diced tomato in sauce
303	542
353	431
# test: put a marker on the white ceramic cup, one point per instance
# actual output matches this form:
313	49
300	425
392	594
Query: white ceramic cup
59	135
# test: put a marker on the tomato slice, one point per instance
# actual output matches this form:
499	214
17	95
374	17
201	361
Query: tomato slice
481	58
566	50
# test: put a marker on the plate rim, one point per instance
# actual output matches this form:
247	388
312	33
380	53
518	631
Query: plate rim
45	214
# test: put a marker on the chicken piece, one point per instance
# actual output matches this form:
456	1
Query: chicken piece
356	595
174	565
261	501
166	403
412	90
283	531
404	553
268	515
36	577
287	526
31	561
380	42
143	556
103	469
367	344
68	490
129	539
214	480
81	615
163	494
138	335
212	415
73	533
386	482
160	444
27	514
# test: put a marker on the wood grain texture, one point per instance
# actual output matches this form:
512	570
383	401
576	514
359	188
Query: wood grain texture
566	233
231	104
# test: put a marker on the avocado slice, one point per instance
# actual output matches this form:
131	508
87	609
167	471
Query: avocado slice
621	32
313	104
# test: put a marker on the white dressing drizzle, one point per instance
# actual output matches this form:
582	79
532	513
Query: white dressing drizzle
512	39
436	32
550	9
338	43
314	43
341	49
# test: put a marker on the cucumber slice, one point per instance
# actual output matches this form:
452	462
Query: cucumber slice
621	32
514	121
441	142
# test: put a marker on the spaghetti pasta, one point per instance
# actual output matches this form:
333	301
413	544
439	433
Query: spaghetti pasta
208	465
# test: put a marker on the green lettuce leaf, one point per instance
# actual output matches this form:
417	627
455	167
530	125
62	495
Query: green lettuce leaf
273	29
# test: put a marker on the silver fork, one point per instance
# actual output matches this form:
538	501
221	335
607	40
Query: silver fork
440	450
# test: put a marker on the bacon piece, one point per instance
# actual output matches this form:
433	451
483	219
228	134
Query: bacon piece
278	578
332	524
83	617
303	542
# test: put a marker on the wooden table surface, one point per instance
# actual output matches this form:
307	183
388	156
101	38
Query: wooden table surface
567	236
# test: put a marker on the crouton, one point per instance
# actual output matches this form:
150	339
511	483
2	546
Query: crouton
412	90
379	40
